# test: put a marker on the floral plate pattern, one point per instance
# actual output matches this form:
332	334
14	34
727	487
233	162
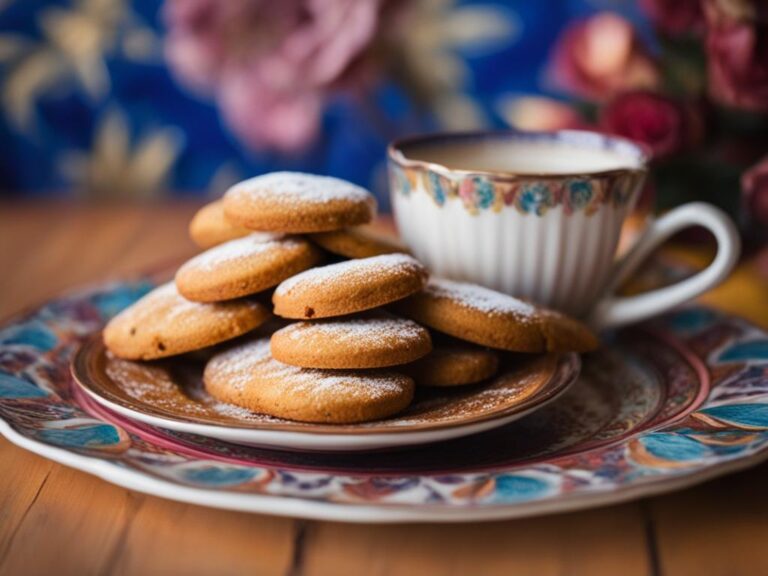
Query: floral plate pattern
695	404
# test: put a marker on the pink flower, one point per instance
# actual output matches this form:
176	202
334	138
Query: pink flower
674	17
264	118
270	65
601	56
737	54
652	119
754	186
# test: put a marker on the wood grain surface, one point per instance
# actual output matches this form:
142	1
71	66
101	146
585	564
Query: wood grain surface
55	520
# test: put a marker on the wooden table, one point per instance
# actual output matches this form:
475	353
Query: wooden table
54	520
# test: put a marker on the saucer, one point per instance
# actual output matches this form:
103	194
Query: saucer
660	407
169	394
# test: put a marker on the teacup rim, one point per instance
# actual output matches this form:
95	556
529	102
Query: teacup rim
395	154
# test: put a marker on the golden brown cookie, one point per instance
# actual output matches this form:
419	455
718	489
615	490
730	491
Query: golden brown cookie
358	242
244	266
247	376
373	340
454	365
348	287
163	323
298	202
210	227
489	318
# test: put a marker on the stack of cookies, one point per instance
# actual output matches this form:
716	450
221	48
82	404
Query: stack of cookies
357	309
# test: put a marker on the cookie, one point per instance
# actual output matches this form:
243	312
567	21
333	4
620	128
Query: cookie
244	266
247	376
210	227
348	287
454	365
489	318
358	242
298	202
369	341
163	323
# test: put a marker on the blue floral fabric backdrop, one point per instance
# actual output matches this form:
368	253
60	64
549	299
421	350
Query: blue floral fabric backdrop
89	106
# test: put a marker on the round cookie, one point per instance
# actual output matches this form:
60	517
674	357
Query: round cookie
454	365
489	318
247	376
298	202
244	266
210	227
348	287
358	242
163	323
369	341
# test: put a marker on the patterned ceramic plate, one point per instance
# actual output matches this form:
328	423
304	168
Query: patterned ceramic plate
170	394
675	402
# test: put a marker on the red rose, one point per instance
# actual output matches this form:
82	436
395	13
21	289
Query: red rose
737	54
674	17
754	186
601	56
652	119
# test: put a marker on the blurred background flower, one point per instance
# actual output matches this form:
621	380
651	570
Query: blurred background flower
597	57
737	51
271	66
655	120
754	184
136	99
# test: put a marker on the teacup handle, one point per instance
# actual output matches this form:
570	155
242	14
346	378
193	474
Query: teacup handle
613	311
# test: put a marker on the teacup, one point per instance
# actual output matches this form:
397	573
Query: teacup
539	215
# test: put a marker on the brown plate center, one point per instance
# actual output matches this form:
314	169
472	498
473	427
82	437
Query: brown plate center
172	389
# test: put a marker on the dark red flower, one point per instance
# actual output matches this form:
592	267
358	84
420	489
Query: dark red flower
675	17
737	53
754	186
649	118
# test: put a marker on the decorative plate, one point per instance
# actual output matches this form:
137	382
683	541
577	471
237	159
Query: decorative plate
171	395
674	402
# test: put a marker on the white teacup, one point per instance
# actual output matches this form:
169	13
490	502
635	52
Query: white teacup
538	215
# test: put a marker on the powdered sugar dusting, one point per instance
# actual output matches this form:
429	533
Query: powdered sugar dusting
293	188
479	298
352	333
240	249
164	306
166	297
362	270
251	364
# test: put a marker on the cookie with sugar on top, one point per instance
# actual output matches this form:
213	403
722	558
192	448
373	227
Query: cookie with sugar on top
483	316
246	375
454	364
245	266
358	242
371	340
349	287
209	226
296	202
164	323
